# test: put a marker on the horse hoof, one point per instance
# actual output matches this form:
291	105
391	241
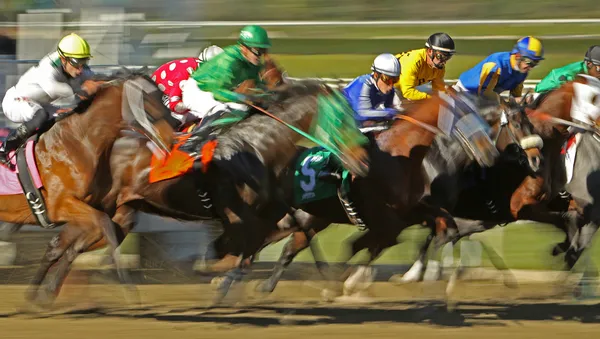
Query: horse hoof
216	281
329	295
31	294
265	286
558	249
132	296
400	279
44	298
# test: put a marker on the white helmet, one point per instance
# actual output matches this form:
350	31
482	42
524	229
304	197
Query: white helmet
210	52
387	64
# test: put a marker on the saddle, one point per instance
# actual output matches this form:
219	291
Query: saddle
23	177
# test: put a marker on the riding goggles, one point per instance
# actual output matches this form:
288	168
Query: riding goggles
441	56
77	63
388	80
257	51
529	62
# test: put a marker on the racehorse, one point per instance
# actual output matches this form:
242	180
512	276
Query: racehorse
532	197
228	188
72	158
271	76
319	214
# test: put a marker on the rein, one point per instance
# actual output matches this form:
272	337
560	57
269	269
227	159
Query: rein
423	125
504	123
559	121
293	128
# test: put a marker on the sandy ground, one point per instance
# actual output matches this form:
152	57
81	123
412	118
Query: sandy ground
296	310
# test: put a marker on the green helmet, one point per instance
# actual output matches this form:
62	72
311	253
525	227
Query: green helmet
254	36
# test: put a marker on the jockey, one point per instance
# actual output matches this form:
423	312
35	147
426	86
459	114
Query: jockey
169	76
503	71
210	89
590	65
372	95
62	74
425	65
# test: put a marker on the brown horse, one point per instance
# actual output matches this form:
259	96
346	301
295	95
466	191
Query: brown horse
322	213
73	162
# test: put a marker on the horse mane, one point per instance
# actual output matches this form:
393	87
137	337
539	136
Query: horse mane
123	74
261	134
299	88
119	76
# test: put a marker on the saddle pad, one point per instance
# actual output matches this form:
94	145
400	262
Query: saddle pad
308	185
9	181
180	162
570	151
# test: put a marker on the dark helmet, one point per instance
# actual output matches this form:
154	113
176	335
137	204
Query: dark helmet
441	42
593	55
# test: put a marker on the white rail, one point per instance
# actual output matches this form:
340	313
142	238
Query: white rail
142	23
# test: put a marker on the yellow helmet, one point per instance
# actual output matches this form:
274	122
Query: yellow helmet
74	46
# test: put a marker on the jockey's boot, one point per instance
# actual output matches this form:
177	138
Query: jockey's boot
15	138
205	127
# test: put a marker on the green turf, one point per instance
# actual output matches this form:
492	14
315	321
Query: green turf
352	65
522	246
351	57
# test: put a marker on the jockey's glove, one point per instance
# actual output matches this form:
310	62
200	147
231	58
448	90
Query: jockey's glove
90	87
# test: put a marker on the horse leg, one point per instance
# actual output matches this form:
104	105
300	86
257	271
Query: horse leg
55	250
8	249
417	270
310	225
525	205
90	224
579	252
375	241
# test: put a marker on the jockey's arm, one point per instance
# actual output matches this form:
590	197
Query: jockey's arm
220	86
438	84
488	81
175	95
408	84
365	108
517	92
50	86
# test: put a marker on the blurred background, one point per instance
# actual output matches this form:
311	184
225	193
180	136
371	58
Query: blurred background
311	38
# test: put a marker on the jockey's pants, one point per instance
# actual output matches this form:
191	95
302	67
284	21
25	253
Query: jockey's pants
18	109
201	103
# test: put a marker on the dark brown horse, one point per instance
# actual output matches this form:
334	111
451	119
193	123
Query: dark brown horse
509	193
73	161
408	141
247	157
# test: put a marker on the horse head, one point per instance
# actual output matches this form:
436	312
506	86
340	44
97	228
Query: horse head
514	136
574	104
271	75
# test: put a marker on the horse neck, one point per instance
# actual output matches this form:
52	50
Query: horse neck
445	156
92	132
557	104
405	138
273	142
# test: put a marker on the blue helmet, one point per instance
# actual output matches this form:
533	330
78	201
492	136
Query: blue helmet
529	47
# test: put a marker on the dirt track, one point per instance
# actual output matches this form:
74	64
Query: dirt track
295	310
